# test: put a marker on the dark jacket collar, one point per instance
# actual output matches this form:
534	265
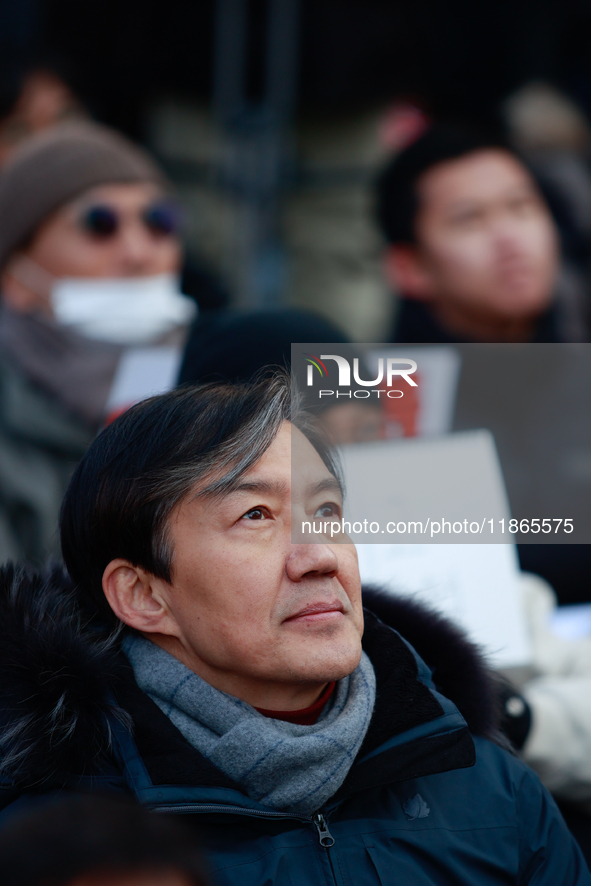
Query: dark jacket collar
404	703
62	686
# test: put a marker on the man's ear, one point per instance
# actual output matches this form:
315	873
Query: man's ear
25	286
405	271
15	294
134	596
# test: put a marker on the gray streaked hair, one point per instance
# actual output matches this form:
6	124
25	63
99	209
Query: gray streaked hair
146	462
223	466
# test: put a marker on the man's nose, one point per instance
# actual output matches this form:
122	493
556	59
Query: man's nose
304	561
509	234
136	249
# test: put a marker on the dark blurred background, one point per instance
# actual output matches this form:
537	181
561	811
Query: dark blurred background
272	118
459	57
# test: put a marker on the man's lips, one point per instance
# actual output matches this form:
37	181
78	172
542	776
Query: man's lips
318	611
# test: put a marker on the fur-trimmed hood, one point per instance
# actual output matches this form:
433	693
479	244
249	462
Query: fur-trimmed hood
56	708
458	666
57	673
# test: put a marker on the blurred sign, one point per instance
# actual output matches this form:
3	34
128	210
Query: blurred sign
476	586
441	490
141	373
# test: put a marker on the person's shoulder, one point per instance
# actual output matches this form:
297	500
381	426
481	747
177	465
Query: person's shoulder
543	833
507	775
503	763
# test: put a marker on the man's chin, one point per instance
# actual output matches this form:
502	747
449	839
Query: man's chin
323	665
519	302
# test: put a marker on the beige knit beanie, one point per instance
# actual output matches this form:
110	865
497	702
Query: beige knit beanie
52	168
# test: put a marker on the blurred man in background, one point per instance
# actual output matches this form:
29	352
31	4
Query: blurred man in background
89	263
472	246
84	840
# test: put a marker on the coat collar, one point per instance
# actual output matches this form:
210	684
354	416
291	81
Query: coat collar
58	676
413	730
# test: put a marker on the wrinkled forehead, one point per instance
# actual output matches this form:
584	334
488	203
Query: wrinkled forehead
291	465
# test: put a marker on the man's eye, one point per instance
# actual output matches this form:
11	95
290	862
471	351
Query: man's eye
255	514
466	219
522	205
329	509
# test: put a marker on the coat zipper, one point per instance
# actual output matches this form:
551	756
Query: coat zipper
324	835
218	807
325	838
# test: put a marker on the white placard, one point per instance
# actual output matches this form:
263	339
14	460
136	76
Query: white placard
143	372
475	584
454	478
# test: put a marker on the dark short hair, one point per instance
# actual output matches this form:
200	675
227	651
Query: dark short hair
145	463
55	840
396	186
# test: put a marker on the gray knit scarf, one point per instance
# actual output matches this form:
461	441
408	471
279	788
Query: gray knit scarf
289	767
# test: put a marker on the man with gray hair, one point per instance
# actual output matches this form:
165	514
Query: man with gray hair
204	660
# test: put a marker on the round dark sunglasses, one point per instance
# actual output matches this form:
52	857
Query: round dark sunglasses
161	219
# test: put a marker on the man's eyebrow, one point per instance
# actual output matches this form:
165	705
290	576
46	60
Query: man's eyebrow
465	203
328	484
523	189
265	487
277	488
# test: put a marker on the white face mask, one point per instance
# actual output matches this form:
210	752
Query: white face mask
127	311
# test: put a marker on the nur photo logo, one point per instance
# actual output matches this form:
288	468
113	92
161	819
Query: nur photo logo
390	371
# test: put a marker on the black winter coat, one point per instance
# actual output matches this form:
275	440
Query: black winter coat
430	799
